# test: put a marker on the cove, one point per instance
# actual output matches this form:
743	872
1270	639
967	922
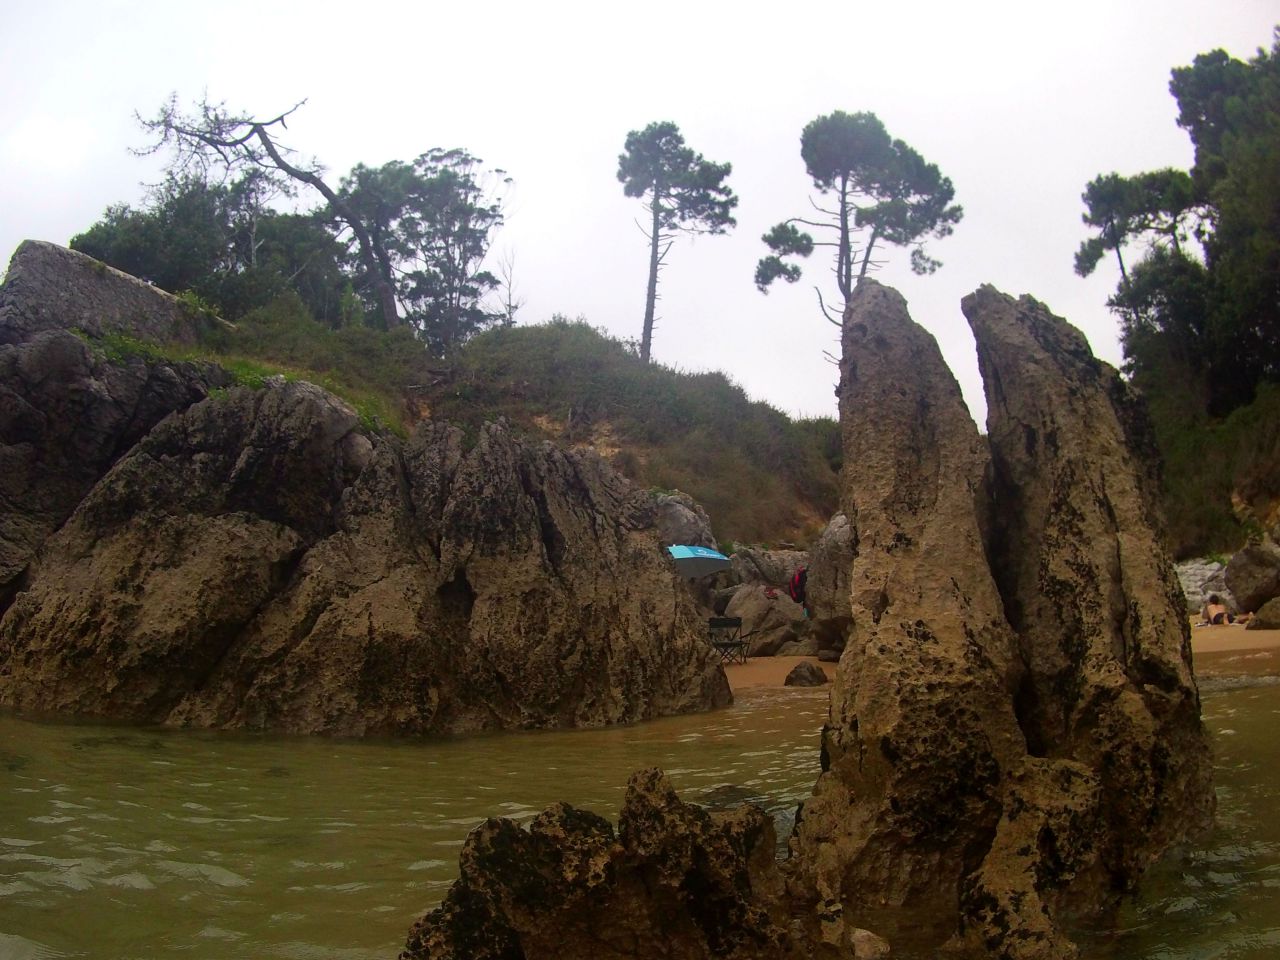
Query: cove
144	842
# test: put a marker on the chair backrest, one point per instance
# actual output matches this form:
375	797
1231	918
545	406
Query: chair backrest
724	623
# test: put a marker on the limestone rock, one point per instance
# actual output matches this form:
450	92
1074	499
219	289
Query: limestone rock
805	674
770	567
48	287
675	881
922	725
1045	844
681	519
806	646
1253	574
1199	579
67	411
1088	587
827	583
768	615
258	562
1267	616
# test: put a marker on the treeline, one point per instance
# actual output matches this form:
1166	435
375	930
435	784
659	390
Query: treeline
407	243
428	226
1199	305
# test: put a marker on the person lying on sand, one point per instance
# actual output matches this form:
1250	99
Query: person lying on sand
1215	613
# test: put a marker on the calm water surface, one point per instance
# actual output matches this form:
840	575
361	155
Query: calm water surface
141	843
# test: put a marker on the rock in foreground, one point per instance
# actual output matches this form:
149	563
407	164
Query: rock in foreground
675	881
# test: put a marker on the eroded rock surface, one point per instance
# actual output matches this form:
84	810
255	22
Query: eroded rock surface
259	560
922	727
770	619
1253	574
827	586
681	519
985	775
675	881
1014	716
1087	585
67	411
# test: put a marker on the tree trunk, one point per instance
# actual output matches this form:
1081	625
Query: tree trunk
844	262
651	298
381	282
1115	245
866	256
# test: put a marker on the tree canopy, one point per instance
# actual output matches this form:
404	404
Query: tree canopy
430	223
213	137
1213	307
878	185
222	242
403	243
682	192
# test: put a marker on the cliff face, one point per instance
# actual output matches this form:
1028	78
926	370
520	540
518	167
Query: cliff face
1086	582
258	560
922	727
1015	731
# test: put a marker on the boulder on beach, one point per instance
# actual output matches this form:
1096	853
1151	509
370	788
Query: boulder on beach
1253	574
806	674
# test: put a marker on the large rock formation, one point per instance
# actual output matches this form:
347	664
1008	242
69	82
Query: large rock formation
67	411
1087	585
1253	574
259	560
827	586
922	727
681	519
984	776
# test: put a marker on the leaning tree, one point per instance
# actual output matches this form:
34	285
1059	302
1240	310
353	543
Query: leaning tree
682	192
876	185
214	137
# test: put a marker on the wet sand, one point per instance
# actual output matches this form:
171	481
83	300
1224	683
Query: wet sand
1231	651
768	671
1220	653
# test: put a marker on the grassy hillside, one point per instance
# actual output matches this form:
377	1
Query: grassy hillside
761	476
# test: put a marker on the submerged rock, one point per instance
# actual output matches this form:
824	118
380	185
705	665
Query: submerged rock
805	675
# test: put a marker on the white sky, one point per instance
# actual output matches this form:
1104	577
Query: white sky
1019	103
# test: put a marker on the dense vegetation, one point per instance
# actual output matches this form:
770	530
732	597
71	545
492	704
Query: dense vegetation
1200	307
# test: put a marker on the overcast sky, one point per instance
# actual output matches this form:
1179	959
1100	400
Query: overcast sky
1020	104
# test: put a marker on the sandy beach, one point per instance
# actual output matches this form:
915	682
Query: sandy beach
1232	651
1219	652
768	671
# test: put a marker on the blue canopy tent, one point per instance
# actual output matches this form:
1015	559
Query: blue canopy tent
693	562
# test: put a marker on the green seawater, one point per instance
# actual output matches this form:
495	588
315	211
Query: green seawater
126	842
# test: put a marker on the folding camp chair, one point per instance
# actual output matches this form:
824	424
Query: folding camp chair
726	636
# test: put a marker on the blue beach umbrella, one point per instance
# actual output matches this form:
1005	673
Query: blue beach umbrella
697	561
